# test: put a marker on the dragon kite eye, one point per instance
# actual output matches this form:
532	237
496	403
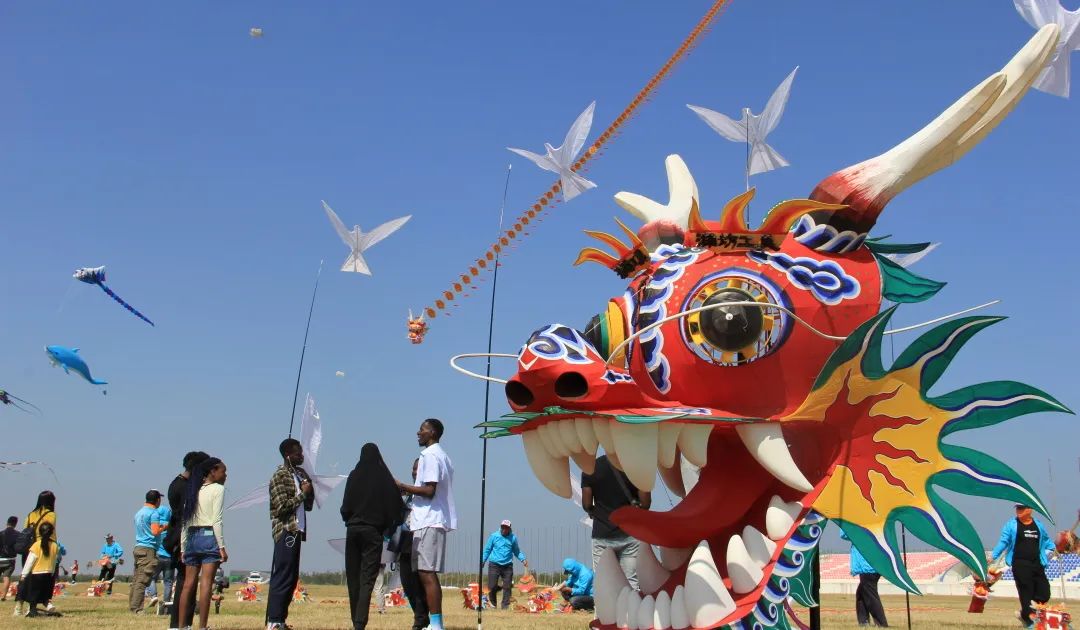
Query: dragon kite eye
731	328
738	322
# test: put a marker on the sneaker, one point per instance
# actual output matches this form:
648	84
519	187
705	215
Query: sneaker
49	607
153	600
275	626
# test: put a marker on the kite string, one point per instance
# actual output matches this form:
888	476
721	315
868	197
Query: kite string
299	371
545	201
487	399
64	300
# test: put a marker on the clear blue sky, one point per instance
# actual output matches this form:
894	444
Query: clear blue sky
164	142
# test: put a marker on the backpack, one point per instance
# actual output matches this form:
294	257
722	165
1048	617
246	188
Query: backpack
26	538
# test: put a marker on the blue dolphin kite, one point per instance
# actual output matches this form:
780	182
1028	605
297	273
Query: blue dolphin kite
69	359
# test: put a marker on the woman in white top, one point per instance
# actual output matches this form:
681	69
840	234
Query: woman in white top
202	544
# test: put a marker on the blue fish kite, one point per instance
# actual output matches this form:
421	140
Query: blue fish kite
69	359
96	275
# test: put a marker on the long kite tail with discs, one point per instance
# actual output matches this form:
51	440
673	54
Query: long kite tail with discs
547	199
96	275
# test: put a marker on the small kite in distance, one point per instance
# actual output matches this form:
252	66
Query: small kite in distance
7	398
359	241
417	328
15	466
96	275
339	374
561	160
256	32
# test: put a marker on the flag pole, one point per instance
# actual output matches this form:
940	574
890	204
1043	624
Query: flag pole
487	405
303	350
746	210
747	169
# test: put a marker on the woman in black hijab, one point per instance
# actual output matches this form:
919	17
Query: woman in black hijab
372	509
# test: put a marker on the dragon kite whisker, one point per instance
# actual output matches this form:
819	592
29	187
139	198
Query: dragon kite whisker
764	305
472	355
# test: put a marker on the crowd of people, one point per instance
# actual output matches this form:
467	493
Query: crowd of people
179	538
388	523
183	541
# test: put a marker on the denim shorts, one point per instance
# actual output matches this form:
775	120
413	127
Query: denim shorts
202	547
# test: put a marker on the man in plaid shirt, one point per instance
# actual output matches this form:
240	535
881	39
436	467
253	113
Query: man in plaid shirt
291	497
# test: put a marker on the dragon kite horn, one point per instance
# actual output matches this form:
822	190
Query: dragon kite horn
664	223
868	186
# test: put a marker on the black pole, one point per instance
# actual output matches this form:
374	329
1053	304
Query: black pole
903	530
815	591
303	350
907	593
487	405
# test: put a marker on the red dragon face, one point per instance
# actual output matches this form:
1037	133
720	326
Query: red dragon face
743	366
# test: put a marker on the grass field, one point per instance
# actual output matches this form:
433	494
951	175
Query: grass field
329	609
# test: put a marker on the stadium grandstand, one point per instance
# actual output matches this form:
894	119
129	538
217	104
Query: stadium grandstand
938	573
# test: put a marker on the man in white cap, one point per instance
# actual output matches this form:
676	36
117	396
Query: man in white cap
111	556
499	553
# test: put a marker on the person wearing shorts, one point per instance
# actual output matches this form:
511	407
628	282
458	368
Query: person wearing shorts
7	555
202	542
433	514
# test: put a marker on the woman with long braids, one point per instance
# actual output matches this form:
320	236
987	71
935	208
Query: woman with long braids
202	543
39	569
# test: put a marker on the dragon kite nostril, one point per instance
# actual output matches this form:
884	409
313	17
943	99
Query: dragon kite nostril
571	385
518	394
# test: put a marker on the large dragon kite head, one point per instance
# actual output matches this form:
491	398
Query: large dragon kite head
744	367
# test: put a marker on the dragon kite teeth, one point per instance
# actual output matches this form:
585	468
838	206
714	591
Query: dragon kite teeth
743	366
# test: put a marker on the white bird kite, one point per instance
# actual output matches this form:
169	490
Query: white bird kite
561	159
1038	13
359	241
752	129
311	439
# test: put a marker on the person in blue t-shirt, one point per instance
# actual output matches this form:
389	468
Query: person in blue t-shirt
867	600
578	587
165	569
112	555
148	532
499	553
